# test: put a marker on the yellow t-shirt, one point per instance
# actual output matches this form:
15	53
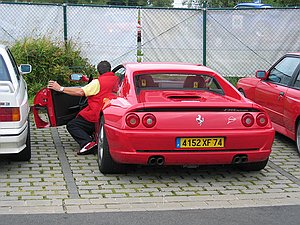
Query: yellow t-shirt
92	88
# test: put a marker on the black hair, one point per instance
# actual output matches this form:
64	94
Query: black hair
103	67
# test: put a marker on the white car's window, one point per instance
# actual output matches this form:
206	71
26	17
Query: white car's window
14	64
284	70
4	75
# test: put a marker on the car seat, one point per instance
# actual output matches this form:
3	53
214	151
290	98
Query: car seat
146	81
194	82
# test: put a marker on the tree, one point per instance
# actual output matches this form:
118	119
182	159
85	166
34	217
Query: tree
161	3
288	2
154	3
232	3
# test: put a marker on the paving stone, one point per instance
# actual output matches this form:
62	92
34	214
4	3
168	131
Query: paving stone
42	182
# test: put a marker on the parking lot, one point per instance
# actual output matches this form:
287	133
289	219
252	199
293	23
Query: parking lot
57	180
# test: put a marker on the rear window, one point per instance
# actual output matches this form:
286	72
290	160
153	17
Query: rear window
4	75
167	81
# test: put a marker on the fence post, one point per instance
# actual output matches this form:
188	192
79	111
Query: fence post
204	33
65	21
139	53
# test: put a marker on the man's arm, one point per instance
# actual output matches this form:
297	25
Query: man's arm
75	91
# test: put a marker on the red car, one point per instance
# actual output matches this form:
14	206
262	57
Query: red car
171	114
278	91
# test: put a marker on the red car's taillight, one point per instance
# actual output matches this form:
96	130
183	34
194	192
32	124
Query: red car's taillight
248	120
149	120
262	119
132	120
9	114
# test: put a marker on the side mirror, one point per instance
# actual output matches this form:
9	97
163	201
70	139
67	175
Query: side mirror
261	74
79	77
25	68
76	76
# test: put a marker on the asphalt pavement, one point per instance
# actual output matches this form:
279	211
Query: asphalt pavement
57	180
276	215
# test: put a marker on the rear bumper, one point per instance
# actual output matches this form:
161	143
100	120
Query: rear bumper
136	147
200	158
13	141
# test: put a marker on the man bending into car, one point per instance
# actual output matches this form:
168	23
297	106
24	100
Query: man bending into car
82	127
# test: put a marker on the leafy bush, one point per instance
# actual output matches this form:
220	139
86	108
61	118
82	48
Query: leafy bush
49	61
233	80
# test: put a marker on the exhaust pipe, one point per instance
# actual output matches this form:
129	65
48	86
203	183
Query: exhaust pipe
156	161
152	161
160	161
238	159
244	158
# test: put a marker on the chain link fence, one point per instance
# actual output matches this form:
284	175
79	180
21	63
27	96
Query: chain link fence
233	42
242	41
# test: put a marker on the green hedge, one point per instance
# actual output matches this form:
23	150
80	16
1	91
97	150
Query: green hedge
50	61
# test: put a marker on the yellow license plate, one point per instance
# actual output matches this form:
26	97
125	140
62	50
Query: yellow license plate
207	142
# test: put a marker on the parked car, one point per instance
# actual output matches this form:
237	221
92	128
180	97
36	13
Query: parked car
256	4
170	114
14	108
278	91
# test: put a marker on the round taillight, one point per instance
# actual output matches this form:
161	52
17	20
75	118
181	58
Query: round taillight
248	120
149	120
261	119
132	120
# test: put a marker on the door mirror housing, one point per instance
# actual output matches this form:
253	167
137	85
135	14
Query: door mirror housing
261	74
79	77
25	68
76	76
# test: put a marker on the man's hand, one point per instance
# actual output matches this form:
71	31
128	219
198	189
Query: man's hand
54	85
75	91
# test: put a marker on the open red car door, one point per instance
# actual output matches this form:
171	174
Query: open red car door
52	108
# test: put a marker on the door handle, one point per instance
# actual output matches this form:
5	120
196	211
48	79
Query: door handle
281	94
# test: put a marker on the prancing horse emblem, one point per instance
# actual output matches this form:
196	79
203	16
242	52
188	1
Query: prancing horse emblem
200	120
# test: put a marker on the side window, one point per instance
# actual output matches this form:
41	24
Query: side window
119	72
297	82
13	62
4	75
282	73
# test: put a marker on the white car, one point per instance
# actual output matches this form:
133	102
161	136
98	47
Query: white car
14	108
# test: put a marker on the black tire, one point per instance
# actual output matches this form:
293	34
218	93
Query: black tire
105	162
25	154
298	137
253	166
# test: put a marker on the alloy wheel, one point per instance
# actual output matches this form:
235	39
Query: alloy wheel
100	144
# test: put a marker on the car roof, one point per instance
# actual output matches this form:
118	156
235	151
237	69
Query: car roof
152	66
253	5
166	66
293	53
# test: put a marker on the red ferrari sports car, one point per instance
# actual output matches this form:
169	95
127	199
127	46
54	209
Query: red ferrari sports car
171	114
278	91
